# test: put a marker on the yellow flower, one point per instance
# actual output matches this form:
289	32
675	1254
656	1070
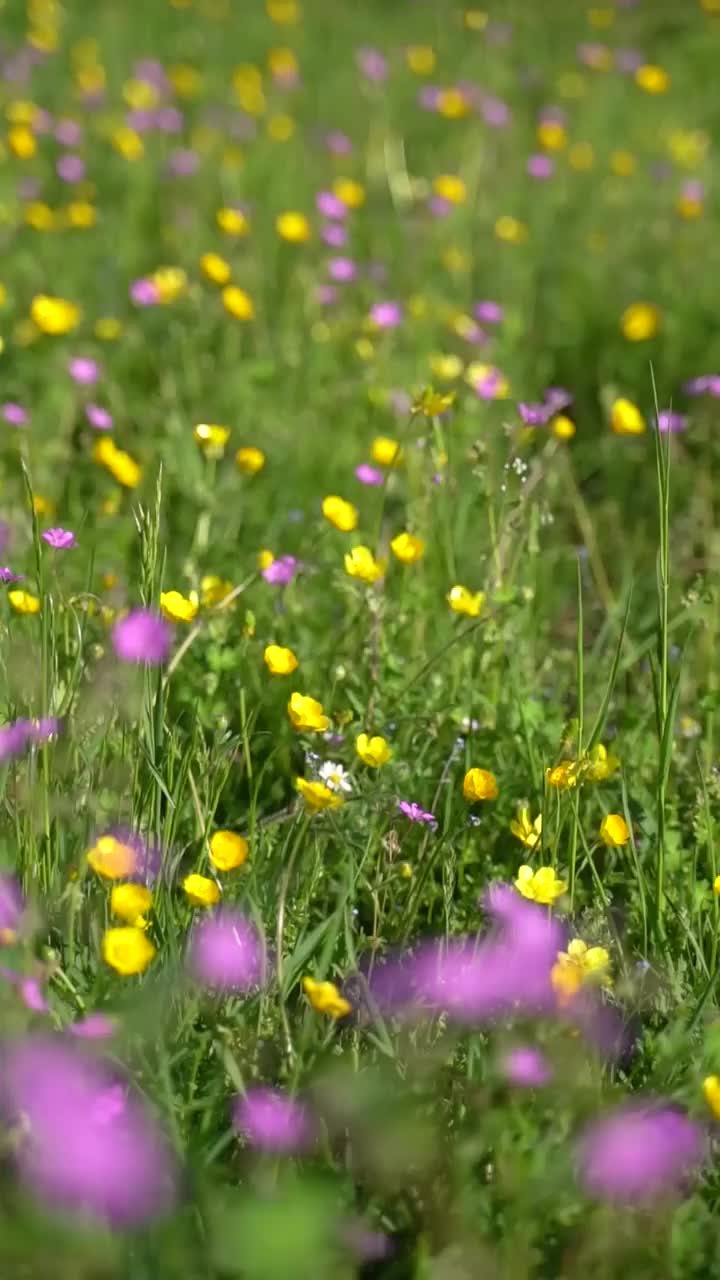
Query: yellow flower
511	230
170	282
265	558
623	163
711	1087
127	950
39	216
307	714
372	751
112	859
42	506
350	192
280	127
420	59
614	830
716	886
626	419
279	661
22	142
317	796
447	367
293	227
211	437
249	460
640	321
540	886
386	452
430	404
479	784
601	19
452	104
451	188
121	466
54	315
562	427
652	79
341	514
185	80
551	135
23	602
233	222
562	775
361	563
282	62
325	998
577	966
527	830
238	303
127	143
130	902
108	329
214	590
286	13
407	548
600	765
476	19
689	207
176	607
581	157
201	891
228	850
462	600
215	269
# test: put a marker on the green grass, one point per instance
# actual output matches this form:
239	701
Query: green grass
598	557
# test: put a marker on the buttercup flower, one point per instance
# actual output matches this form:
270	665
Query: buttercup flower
112	858
306	714
120	464
339	513
652	79
127	950
141	636
562	775
711	1094
215	269
233	222
177	607
23	601
539	886
640	321
577	966
54	315
361	563
317	795
526	830
293	227
462	600
325	998
479	784
614	830
626	419
272	1121
228	850
386	452
372	751
238	303
130	902
279	661
201	891
407	548
599	765
249	460
213	590
211	437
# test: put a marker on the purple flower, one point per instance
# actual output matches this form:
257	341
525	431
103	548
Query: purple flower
628	60
11	907
70	168
334	235
706	384
386	315
142	636
95	1026
84	371
557	398
144	293
372	64
365	1244
638	1151
526	1068
488	312
369	475
540	166
325	295
59	539
338	142
495	113
330	206
183	162
98	417
415	812
342	269
668	420
14	414
90	1146
14	739
281	571
693	190
32	996
272	1121
7	575
44	729
226	953
439	207
534	415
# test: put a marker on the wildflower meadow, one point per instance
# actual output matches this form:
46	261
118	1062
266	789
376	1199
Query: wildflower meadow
359	628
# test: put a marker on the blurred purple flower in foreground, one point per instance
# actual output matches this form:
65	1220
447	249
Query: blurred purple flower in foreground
142	636
668	420
11	908
89	1145
59	539
526	1068
637	1152
84	371
272	1121
95	1026
226	952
